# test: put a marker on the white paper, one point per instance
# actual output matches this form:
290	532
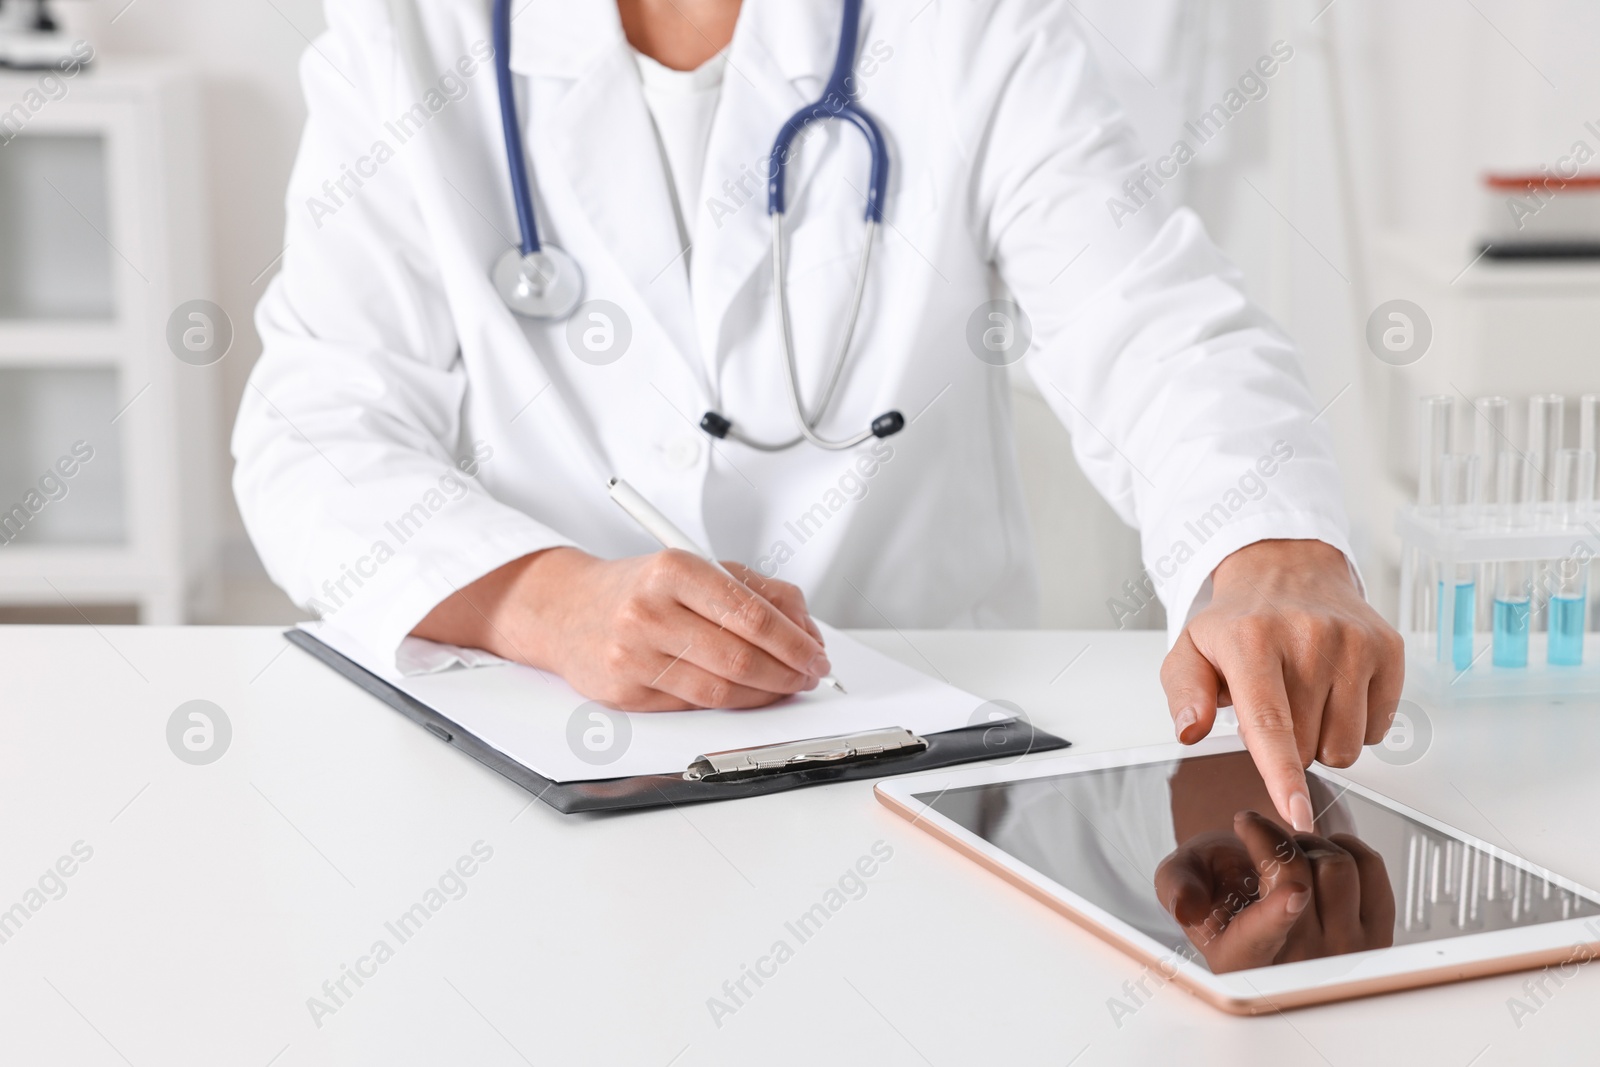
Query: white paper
539	721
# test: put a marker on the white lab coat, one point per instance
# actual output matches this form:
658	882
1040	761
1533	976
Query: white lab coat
390	363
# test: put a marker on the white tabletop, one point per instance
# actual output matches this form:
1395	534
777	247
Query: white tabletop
219	898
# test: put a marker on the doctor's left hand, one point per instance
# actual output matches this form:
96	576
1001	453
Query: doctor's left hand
1311	669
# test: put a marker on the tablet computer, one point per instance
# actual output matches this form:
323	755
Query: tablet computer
1175	855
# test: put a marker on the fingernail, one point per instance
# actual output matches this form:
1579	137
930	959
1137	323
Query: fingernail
1185	719
1297	901
1300	813
819	665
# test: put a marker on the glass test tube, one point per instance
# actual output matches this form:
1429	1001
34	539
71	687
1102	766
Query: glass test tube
1569	601
1433	438
1508	580
1512	605
1588	423
1545	436
1457	583
1545	433
1496	459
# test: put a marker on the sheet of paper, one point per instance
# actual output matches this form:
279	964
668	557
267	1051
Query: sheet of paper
541	722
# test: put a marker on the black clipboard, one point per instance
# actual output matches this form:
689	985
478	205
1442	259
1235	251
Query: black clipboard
1009	738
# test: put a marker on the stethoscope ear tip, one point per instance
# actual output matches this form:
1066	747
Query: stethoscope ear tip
888	424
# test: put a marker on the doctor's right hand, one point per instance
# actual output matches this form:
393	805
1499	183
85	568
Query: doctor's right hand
664	632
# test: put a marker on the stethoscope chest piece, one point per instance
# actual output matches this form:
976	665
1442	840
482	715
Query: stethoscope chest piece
546	284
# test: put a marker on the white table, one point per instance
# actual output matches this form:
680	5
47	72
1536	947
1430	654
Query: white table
219	898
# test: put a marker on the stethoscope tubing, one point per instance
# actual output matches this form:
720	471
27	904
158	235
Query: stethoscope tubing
838	102
808	423
510	124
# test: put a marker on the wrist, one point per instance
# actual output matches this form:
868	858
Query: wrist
1303	558
509	610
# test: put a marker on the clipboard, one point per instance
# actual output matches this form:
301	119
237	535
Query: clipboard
728	775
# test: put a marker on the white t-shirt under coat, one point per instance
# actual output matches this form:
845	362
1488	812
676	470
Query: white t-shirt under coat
683	104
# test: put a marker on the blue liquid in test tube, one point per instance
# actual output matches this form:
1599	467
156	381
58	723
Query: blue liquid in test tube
1566	629
1511	633
1458	484
1569	607
1460	641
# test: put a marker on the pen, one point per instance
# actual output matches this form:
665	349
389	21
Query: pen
657	525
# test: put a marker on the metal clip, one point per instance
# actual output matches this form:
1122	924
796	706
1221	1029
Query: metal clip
738	763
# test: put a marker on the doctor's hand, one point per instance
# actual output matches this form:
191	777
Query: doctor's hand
664	632
1311	670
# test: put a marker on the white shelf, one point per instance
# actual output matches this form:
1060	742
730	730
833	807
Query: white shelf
55	259
28	569
63	344
1499	328
1463	272
107	242
44	575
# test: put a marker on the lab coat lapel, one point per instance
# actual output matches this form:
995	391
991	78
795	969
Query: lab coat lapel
781	54
610	155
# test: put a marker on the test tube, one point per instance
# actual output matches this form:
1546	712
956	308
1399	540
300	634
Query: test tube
1538	495
1458	587
1569	601
1588	422
1507	580
1435	439
1545	436
1574	485
1588	407
1496	460
1512	605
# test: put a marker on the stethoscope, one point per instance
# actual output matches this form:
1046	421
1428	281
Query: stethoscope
539	281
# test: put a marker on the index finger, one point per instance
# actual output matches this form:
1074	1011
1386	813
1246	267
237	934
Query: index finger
783	596
1266	722
710	592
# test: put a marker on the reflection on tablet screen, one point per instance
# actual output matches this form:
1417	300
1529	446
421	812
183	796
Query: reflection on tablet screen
1192	853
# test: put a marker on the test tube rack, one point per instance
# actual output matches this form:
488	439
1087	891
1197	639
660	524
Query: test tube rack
1497	550
1458	661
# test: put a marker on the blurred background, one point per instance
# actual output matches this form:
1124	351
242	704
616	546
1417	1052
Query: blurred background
141	216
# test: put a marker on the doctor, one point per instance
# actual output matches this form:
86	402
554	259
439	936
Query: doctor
417	460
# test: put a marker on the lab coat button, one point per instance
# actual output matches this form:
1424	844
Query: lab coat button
683	452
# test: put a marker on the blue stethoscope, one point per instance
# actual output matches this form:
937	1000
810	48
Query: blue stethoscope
539	281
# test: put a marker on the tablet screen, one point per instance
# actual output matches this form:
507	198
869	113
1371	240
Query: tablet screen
1191	853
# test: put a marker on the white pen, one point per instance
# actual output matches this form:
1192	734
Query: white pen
657	525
